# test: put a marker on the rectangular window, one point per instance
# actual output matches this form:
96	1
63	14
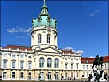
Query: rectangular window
66	59
21	75
84	74
104	66
13	56
65	66
4	64
13	64
5	55
29	75
13	74
39	38
21	56
83	66
71	66
21	64
4	74
29	57
90	66
66	75
29	65
72	75
87	66
87	74
77	74
77	66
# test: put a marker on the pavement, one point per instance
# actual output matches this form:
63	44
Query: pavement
44	81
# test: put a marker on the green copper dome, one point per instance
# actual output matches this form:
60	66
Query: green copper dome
44	19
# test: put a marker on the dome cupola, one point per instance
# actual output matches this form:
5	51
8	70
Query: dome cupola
44	19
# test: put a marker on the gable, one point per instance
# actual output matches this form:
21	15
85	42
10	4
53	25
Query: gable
49	50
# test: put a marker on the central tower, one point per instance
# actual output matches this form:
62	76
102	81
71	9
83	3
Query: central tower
44	30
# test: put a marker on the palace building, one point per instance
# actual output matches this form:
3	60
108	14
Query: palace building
43	58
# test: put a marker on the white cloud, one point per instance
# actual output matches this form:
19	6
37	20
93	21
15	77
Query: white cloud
94	12
79	51
18	29
28	30
91	57
68	48
71	49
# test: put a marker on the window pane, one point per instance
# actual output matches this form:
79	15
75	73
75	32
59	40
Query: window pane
41	62
13	64
29	65
13	74
21	75
13	56
21	64
21	56
4	64
4	74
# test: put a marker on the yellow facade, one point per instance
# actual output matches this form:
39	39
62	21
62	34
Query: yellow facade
44	59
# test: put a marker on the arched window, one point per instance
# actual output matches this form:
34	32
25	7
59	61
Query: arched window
66	65
71	65
41	62
49	62
48	38
39	38
56	63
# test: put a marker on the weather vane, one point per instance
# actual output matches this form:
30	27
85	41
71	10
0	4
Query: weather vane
44	2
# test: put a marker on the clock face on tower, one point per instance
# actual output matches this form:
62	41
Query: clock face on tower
48	29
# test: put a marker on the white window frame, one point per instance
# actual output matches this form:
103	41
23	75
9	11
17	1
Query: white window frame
4	74
66	59
48	38
4	63
21	74
29	57
66	65
5	55
21	56
13	63
87	66
71	65
56	63
13	73
22	67
29	64
83	67
13	56
39	38
71	74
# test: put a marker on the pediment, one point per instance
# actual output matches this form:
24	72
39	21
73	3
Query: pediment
49	50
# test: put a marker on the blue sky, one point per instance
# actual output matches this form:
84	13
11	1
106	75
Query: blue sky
82	25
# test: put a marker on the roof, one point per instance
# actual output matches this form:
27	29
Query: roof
15	47
91	60
67	52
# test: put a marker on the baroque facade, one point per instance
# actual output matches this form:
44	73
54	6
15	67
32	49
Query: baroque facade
44	58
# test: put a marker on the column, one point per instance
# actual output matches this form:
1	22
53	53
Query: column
53	77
